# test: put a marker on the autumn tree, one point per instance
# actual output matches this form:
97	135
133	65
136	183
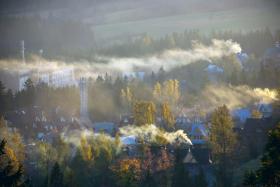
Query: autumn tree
144	113
148	168
86	149
163	166
127	172
168	91
222	141
45	156
11	170
167	116
157	92
127	97
13	138
171	91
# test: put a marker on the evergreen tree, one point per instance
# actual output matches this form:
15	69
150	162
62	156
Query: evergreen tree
56	177
200	179
2	99
250	179
269	173
181	176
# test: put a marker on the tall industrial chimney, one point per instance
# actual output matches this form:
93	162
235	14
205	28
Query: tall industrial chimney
83	98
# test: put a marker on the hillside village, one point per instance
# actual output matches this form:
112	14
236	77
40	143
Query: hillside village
129	93
36	124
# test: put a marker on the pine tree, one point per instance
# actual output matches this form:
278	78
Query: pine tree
181	176
56	178
200	179
2	99
269	172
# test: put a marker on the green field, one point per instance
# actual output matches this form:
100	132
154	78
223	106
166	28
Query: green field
237	19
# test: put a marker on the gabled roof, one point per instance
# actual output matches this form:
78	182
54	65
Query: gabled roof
198	129
128	140
242	114
104	126
264	107
189	159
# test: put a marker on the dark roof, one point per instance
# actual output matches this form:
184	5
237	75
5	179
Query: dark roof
189	158
252	124
198	156
273	52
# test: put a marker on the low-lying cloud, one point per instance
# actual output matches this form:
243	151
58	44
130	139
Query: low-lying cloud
168	59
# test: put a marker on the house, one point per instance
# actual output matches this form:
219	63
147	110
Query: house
198	133
106	127
271	57
126	120
242	59
199	159
240	115
254	134
265	109
214	73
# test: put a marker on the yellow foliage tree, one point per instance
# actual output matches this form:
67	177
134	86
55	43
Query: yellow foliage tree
127	97
167	115
169	92
144	113
86	149
127	172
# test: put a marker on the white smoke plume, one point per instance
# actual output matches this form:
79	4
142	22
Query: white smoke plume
235	96
149	133
74	136
168	59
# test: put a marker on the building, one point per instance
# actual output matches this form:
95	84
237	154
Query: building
265	109
198	133
271	56
198	160
58	78
240	115
254	134
105	127
61	78
242	59
214	73
195	129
